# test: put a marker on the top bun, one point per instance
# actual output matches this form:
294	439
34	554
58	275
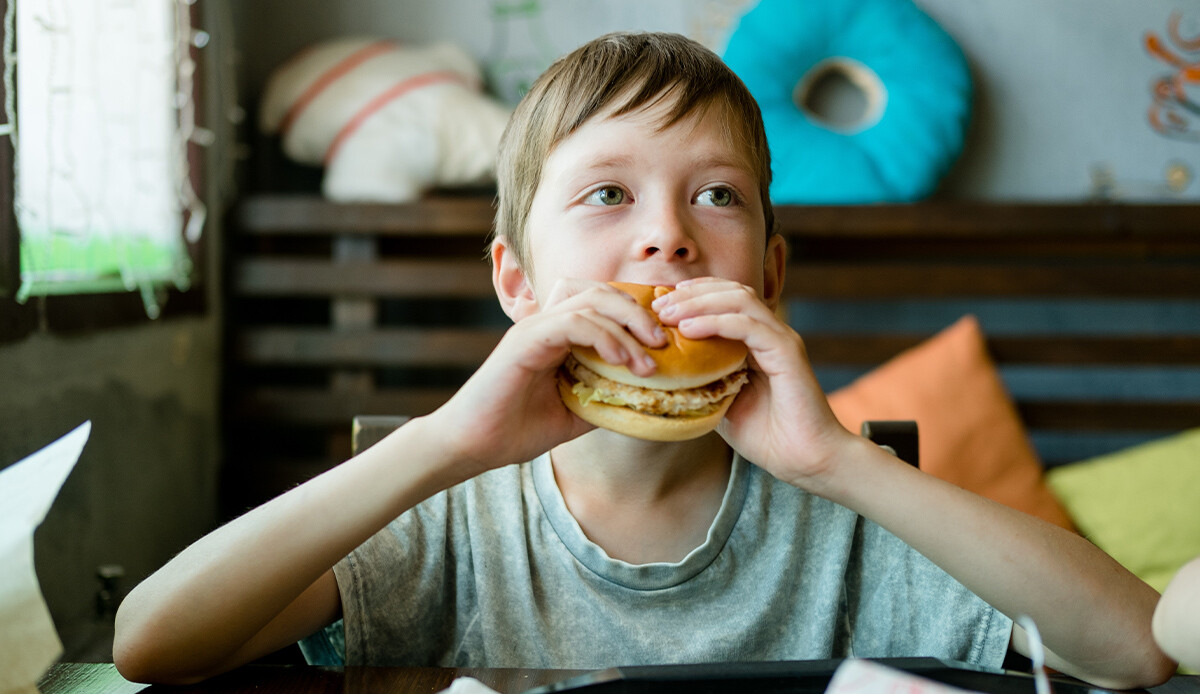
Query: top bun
682	362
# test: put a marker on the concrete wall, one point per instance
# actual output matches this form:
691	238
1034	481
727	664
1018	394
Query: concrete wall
146	483
1062	88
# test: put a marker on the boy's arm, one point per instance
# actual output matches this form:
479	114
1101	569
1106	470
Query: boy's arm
264	580
1093	615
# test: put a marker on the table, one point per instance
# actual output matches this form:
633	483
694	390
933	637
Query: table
103	678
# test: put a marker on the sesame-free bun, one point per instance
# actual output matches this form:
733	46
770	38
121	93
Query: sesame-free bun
651	427
682	363
682	400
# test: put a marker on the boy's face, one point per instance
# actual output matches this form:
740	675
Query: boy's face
621	199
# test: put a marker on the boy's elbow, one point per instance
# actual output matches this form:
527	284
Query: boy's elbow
140	665
1129	662
139	654
1158	669
130	656
134	660
1149	668
132	663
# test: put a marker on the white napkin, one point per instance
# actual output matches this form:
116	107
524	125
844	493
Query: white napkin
854	676
29	644
468	685
857	676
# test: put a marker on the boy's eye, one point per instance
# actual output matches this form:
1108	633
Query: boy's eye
717	197
608	195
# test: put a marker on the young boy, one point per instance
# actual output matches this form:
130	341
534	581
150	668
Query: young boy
501	530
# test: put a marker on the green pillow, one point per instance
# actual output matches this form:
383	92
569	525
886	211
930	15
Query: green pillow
1140	505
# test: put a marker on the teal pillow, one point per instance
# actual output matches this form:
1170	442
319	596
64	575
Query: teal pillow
1140	505
915	77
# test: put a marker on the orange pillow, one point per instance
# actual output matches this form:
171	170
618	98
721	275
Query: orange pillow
970	432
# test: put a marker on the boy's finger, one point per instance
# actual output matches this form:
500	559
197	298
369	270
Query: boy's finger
615	305
773	346
610	339
712	299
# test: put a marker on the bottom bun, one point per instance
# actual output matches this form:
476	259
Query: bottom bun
650	427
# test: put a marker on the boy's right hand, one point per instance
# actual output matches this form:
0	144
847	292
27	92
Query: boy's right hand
510	411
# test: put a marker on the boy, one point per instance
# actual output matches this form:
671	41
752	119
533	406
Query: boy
639	157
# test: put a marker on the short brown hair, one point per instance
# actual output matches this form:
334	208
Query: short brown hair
639	68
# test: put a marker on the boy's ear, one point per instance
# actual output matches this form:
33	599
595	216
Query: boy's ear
512	285
774	268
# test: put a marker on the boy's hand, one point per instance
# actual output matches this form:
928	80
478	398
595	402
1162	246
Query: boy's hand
780	420
510	410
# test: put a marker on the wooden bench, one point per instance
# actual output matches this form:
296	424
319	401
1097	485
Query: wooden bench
1092	313
900	437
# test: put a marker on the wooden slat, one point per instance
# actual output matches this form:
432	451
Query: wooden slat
316	406
426	278
473	215
1012	249
1110	416
949	219
311	214
1066	350
468	347
320	407
471	278
1079	350
381	347
961	219
894	280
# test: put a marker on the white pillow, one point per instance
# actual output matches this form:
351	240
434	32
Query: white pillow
386	120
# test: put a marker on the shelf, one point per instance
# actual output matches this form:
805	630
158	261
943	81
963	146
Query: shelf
471	215
929	249
338	310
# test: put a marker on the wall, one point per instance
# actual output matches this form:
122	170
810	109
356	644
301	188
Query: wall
146	483
1061	88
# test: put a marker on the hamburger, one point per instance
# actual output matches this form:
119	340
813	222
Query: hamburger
687	396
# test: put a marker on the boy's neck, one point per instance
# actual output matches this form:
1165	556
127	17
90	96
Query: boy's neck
643	501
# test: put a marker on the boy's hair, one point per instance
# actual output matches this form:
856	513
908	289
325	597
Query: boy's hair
617	74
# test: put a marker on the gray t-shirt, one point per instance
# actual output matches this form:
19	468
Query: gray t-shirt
495	572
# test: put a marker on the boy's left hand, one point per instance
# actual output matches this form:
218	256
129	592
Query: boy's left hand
780	420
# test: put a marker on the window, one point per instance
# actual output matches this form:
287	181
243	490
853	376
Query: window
101	215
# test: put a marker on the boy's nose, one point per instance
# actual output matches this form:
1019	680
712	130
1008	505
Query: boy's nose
668	237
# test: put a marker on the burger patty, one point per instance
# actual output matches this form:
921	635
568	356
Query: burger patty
592	387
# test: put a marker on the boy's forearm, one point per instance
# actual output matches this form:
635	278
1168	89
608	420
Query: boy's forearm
1093	614
204	606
